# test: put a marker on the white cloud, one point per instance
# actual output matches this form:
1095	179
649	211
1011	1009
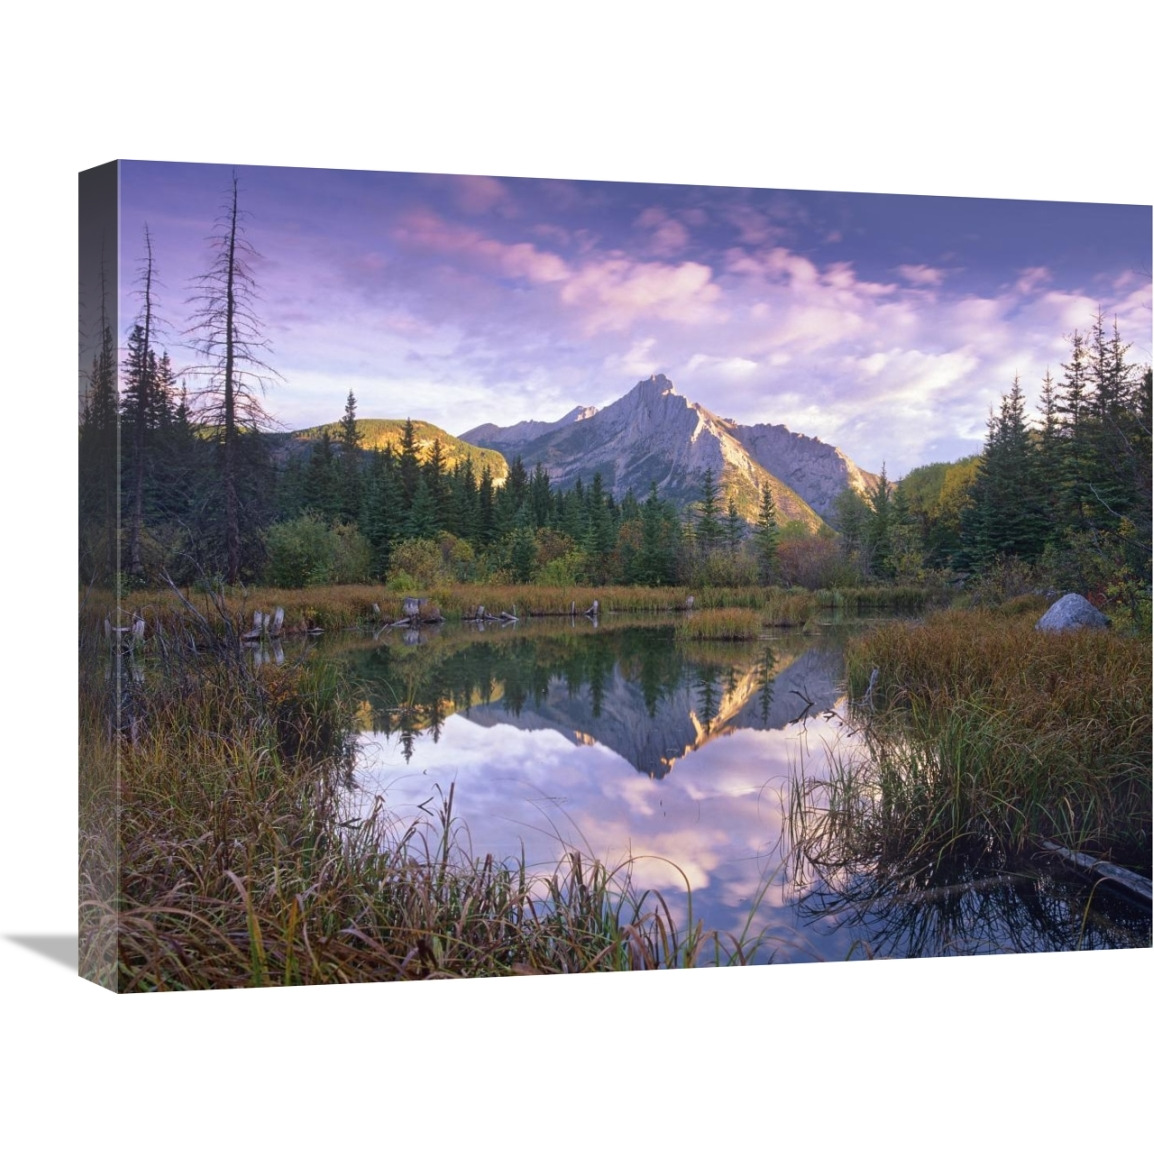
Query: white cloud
922	275
667	236
1031	279
614	293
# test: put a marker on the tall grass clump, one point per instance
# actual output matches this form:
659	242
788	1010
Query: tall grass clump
719	625
990	736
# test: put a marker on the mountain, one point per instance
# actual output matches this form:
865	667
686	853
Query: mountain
653	434
377	433
495	437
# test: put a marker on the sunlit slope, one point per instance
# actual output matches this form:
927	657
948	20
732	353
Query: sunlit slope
381	433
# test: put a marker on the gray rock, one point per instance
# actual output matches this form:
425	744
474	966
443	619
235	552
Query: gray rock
1071	612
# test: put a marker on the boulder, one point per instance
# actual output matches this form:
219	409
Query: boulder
1071	612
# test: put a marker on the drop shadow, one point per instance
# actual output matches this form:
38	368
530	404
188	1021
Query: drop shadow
61	948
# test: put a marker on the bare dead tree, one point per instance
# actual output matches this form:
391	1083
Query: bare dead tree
228	336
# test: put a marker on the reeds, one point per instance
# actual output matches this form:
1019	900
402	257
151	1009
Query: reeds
719	625
989	738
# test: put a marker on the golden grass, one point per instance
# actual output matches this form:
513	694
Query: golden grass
991	736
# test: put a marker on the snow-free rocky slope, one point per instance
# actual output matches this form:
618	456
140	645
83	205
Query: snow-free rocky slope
653	434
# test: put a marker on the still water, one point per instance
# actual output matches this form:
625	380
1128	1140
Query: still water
677	757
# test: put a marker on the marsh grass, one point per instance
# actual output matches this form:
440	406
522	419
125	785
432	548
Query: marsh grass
218	848
718	625
988	738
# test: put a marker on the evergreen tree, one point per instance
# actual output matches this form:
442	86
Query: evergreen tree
709	529
464	505
322	481
656	559
1007	516
734	528
1050	451
484	534
421	520
522	548
765	536
409	464
1073	407
380	522
601	535
540	497
349	496
851	516
436	477
907	548
1107	435
877	526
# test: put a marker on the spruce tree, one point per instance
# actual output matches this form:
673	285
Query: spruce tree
877	526
409	464
734	528
322	481
349	500
708	516
765	536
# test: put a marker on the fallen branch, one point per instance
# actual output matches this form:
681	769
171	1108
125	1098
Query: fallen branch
1124	877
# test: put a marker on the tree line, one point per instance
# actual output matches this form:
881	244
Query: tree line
1063	498
348	514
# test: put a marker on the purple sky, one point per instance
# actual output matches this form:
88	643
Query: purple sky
887	325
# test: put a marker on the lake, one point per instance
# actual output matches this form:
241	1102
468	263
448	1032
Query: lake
617	740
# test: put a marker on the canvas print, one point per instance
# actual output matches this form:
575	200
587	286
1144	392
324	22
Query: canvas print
486	576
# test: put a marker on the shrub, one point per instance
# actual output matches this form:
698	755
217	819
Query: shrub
417	564
307	551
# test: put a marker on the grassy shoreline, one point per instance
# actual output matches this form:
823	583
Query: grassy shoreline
987	737
350	606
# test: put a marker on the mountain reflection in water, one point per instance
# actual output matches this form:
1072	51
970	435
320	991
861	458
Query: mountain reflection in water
677	756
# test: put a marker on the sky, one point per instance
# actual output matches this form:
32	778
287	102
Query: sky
887	325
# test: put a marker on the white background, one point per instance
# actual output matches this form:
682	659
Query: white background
981	100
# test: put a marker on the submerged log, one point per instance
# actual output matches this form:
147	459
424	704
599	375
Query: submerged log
1124	877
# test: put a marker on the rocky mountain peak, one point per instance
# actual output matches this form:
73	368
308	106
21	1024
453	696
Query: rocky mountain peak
658	385
654	435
